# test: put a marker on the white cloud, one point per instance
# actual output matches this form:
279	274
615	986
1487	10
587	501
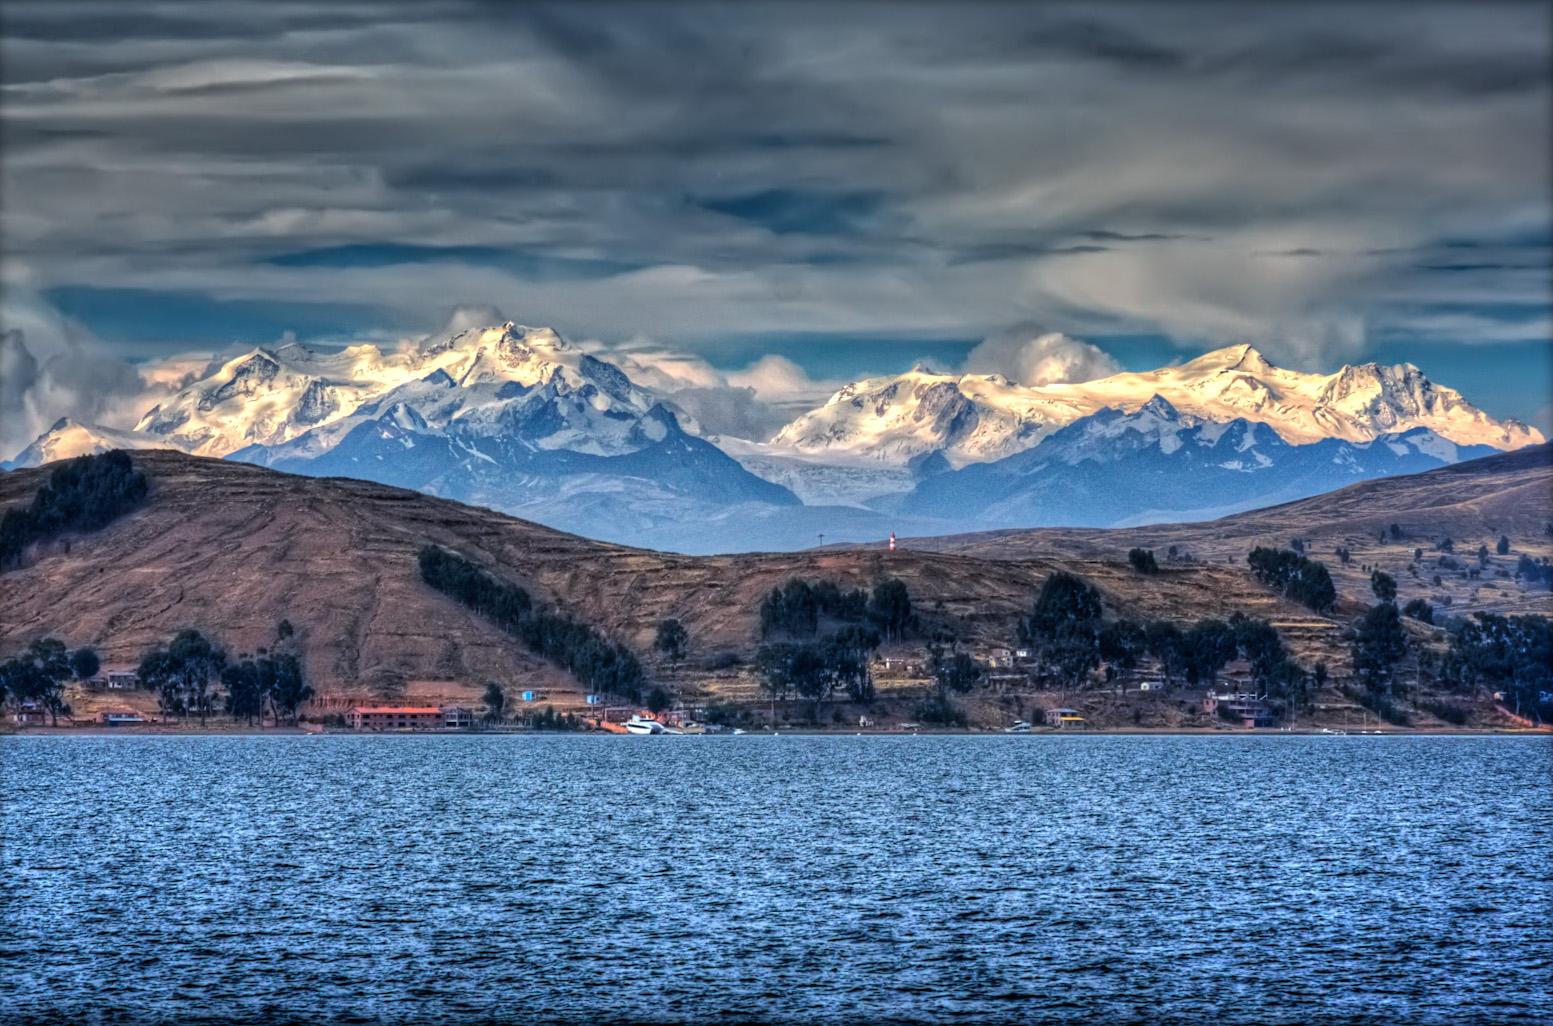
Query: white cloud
1031	357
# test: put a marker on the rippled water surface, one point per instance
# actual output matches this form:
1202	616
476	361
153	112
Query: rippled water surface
794	879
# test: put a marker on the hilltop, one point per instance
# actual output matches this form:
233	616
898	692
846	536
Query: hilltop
232	549
1472	503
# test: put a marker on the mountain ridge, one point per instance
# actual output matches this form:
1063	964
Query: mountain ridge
518	418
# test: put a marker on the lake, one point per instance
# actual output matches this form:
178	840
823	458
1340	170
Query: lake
785	879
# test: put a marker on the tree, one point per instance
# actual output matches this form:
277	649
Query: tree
1379	644
1167	644
1142	560
247	686
84	663
1383	585
182	673
290	688
672	639
954	672
1396	532
791	610
1304	580
1206	646
1503	547
1064	627
1122	644
889	608
848	652
1511	654
38	675
495	699
658	699
1420	610
1258	643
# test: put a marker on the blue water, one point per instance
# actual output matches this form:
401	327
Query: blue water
791	879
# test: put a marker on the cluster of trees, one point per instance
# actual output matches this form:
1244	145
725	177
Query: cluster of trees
38	674
1070	639
797	608
954	673
83	494
1300	578
601	664
818	670
184	674
272	679
1534	570
1513	654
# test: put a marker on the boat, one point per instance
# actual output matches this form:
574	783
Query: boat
739	730
1021	727
644	725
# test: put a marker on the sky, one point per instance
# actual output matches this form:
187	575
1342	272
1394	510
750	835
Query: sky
790	195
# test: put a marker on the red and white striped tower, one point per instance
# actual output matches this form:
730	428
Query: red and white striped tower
892	541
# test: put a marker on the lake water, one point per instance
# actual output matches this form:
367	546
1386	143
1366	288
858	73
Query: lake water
783	879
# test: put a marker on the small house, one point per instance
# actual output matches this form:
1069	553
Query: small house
29	714
120	718
456	717
1063	718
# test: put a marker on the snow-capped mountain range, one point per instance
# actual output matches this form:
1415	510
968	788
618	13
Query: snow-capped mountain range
975	418
518	419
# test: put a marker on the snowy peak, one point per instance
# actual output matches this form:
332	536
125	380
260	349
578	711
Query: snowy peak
66	439
893	420
980	418
1245	359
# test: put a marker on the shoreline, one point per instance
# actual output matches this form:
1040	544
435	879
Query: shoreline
154	731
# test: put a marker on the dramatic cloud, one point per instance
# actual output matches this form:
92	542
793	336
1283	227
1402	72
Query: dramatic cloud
50	369
1030	357
751	402
1318	180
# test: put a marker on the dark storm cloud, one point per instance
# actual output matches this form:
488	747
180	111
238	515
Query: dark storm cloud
698	171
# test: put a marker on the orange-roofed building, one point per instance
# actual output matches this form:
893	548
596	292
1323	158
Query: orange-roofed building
395	717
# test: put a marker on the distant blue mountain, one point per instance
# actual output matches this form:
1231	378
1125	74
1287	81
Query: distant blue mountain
1154	465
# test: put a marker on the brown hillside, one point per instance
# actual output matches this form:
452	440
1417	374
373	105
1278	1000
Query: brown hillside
1473	503
231	549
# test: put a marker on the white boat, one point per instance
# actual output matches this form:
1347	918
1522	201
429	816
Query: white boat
1021	727
644	725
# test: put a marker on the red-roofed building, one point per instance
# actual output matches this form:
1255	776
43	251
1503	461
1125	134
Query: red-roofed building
395	717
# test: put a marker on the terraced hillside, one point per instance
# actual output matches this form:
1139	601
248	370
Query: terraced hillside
1473	504
231	549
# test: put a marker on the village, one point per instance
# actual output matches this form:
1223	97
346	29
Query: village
730	701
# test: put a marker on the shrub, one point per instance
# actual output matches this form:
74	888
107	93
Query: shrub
1142	560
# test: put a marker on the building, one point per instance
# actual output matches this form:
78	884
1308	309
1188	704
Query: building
29	714
396	717
119	717
1252	710
456	717
116	678
1064	718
